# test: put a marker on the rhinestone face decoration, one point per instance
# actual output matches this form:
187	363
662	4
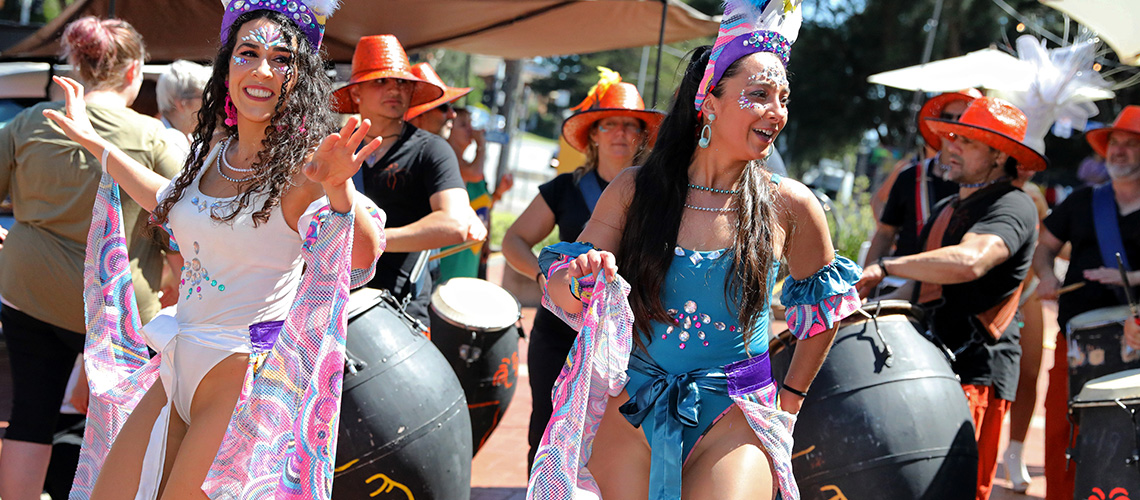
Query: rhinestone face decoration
690	307
773	76
268	35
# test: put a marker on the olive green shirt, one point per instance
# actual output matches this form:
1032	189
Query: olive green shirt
52	181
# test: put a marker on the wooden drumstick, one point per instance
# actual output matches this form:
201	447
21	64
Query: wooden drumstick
1069	288
455	249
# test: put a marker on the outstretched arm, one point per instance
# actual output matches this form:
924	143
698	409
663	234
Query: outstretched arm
333	166
140	183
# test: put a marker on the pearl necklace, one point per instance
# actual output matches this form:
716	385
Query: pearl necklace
713	190
222	159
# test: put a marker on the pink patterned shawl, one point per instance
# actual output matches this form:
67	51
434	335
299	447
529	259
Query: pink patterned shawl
281	441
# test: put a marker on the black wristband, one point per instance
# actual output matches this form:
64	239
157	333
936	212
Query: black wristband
883	266
797	392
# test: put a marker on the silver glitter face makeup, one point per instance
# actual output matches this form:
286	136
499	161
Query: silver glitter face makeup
240	61
269	37
769	75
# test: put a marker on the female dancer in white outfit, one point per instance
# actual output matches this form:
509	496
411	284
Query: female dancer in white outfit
235	209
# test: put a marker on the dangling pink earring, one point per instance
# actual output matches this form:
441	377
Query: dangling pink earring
231	112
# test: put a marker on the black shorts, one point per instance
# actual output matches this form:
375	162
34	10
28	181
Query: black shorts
42	356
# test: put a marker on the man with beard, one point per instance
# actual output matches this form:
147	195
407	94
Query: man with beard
414	175
1119	145
975	253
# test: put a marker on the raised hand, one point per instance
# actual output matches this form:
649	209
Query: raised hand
337	159
75	123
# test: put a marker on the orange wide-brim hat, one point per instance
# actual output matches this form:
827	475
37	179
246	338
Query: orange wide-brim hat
1127	121
933	109
382	56
996	123
426	73
619	99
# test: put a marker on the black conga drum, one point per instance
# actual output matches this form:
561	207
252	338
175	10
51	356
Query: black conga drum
475	324
886	416
1096	346
404	429
1107	451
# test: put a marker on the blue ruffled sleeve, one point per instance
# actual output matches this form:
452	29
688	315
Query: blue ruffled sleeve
816	303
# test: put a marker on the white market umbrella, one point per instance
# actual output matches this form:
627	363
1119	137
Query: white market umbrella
1113	20
989	69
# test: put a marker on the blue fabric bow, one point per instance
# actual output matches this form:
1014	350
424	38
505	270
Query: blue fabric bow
675	401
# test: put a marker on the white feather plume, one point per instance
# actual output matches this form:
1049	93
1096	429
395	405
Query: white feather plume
323	7
1062	88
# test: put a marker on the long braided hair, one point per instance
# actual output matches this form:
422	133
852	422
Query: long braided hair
301	119
653	220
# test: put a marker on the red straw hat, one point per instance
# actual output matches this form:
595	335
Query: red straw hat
933	109
996	123
1127	121
610	97
426	73
382	56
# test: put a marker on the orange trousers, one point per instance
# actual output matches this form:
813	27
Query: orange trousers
988	412
1060	475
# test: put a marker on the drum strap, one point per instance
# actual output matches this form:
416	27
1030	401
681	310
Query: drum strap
1107	227
921	194
996	319
590	188
929	292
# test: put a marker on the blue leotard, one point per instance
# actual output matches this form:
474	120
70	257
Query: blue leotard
704	333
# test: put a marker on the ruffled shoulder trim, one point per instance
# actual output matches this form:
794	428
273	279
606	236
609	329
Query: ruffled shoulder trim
816	303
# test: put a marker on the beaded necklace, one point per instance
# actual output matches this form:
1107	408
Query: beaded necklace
713	190
222	159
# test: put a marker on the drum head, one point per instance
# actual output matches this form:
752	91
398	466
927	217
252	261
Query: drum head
475	304
1099	317
1123	386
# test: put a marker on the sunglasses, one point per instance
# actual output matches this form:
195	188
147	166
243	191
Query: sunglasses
445	107
949	116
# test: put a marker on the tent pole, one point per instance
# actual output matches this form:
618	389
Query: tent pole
660	45
915	103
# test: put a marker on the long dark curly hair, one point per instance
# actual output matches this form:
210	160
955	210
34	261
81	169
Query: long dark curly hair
301	119
653	220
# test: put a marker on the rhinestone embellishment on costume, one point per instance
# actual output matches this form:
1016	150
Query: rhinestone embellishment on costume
688	319
195	275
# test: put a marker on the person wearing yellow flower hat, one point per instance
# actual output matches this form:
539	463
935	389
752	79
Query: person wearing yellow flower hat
414	176
614	130
977	248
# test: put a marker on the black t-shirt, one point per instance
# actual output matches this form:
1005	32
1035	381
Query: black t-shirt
561	194
419	165
1008	213
901	208
1072	221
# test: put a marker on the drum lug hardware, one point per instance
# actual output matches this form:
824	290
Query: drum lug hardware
886	347
470	353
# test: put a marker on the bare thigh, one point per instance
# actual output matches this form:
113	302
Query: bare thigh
729	463
619	460
119	478
210	412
